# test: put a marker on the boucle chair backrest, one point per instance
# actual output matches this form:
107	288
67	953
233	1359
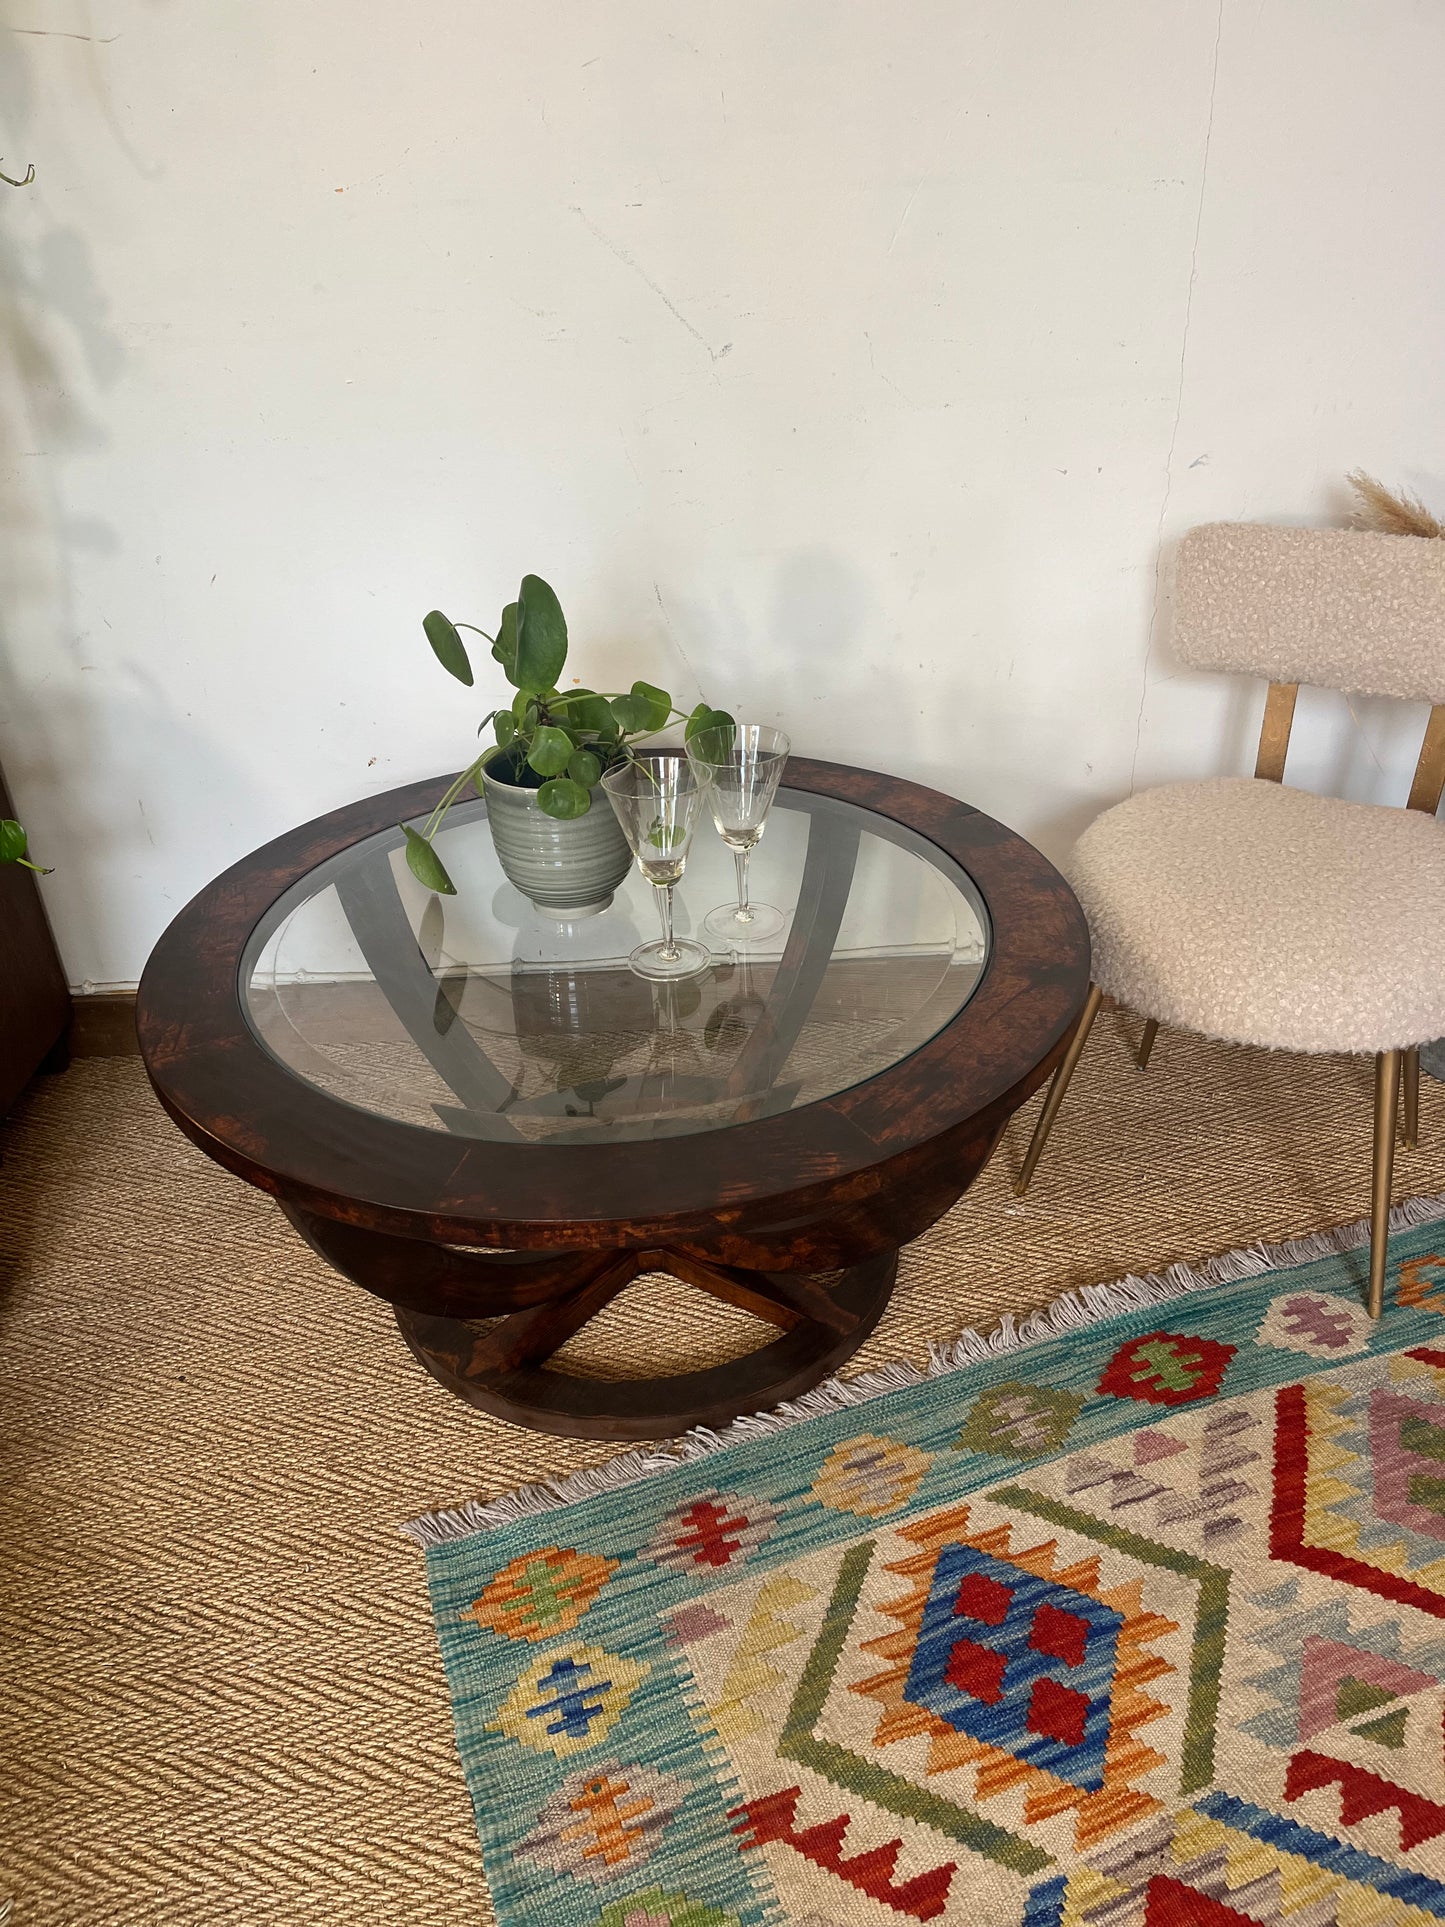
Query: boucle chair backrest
1339	608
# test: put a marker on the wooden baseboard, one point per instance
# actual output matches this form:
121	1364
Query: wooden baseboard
102	1024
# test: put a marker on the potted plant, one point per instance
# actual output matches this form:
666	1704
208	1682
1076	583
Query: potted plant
552	747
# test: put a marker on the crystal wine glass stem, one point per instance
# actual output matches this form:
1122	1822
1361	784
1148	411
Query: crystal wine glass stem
664	908
740	860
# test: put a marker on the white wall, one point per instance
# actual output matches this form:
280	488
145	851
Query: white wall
852	357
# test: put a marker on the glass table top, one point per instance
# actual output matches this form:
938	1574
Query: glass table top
479	1015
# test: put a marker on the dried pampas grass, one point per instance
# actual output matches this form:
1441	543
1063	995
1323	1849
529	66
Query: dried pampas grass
1387	513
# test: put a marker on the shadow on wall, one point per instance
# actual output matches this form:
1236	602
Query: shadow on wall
55	342
811	660
859	693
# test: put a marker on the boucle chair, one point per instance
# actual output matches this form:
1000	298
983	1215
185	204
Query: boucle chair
1265	915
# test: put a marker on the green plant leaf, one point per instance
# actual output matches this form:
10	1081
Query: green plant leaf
585	710
541	636
659	704
505	647
564	799
504	727
13	841
551	750
584	768
425	865
706	717
447	646
523	702
630	712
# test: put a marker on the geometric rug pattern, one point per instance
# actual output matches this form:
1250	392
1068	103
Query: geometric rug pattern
1140	1627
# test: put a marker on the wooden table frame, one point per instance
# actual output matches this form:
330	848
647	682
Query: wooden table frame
750	1213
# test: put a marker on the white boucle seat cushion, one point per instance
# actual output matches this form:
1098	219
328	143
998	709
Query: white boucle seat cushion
1265	915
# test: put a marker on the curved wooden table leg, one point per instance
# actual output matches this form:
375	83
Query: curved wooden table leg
432	1277
500	1370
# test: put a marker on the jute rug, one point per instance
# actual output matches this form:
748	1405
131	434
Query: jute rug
220	1698
1137	1622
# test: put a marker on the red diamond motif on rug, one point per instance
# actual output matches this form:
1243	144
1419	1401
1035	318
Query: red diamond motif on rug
1167	1368
977	1670
1060	1634
983	1599
1058	1712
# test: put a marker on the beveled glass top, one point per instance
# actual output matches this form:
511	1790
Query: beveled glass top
477	1014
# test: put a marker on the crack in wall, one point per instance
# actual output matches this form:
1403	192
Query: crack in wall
614	247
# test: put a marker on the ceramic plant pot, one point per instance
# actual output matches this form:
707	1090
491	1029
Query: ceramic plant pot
568	869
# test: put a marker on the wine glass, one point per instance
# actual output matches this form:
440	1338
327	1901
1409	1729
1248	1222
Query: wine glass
657	799
743	764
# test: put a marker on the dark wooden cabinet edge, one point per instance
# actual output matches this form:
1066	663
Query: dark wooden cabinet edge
34	996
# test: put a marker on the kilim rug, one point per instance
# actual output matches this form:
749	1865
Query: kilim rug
1134	1617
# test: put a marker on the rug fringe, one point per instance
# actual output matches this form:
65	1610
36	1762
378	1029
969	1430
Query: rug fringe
1087	1305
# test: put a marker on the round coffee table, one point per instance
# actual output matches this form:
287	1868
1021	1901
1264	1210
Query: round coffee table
482	1115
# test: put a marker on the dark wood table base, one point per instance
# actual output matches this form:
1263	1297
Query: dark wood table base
500	1367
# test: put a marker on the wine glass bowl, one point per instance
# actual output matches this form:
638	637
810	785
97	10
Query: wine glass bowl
741	765
658	799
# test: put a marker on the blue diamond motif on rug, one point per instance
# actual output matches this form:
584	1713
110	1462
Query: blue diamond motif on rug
1018	1662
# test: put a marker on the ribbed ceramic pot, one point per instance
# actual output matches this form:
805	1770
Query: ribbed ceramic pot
568	869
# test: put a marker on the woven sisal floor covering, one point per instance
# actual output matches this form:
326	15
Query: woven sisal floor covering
220	1699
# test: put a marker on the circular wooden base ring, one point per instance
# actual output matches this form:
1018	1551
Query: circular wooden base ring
653	1408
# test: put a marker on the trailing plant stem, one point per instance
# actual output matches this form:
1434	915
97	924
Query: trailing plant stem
434	821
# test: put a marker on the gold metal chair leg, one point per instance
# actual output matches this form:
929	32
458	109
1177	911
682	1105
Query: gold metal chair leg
1410	1098
1387	1098
1146	1043
1062	1077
